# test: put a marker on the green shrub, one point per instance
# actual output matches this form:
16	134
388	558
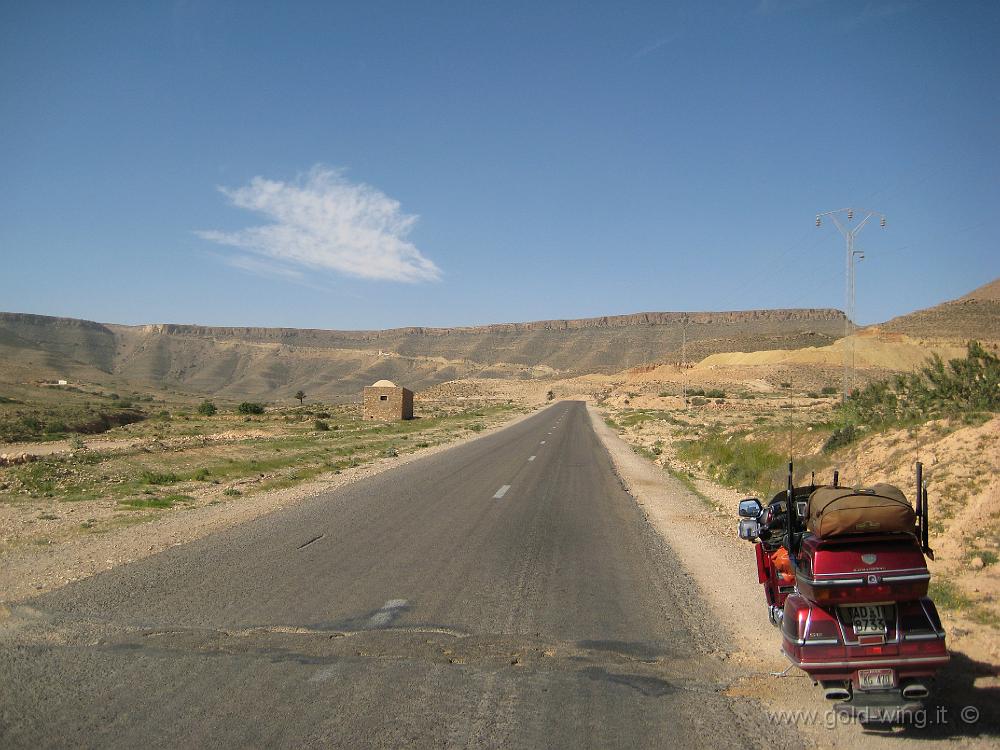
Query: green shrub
936	390
250	407
715	393
736	461
841	436
159	477
698	401
201	475
829	390
207	409
320	425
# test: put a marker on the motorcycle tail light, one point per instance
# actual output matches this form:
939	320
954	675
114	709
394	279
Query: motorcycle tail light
822	653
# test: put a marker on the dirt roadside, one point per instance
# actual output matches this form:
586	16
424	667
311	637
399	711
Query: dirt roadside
724	569
31	570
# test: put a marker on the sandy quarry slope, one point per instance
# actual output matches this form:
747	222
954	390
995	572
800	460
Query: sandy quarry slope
870	350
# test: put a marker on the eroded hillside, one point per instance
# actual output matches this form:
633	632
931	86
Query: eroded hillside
274	362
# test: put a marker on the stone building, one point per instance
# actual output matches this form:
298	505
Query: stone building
387	401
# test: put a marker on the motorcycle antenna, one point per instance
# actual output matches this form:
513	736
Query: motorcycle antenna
923	525
790	511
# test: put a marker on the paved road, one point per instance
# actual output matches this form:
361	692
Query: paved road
506	592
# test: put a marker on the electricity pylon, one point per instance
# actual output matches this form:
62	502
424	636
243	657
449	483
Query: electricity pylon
843	219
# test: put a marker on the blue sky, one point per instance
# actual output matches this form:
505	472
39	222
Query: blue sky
374	164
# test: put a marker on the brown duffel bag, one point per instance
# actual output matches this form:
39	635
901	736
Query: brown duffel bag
882	509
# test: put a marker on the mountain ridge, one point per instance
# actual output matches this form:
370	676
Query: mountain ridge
262	362
271	362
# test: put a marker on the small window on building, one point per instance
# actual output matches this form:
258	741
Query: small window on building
383	398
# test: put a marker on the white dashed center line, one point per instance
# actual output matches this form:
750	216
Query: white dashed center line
387	613
542	443
501	492
531	458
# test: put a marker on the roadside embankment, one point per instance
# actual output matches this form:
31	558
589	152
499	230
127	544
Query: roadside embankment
724	570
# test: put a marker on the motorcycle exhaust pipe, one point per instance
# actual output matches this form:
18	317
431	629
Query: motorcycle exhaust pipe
835	692
915	691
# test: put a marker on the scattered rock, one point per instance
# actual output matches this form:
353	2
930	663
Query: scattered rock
12	459
977	563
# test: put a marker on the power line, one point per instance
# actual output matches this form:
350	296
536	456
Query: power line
843	219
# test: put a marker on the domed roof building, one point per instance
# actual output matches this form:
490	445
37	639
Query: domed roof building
386	401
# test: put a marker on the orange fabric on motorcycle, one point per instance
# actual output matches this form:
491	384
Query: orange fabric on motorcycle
779	558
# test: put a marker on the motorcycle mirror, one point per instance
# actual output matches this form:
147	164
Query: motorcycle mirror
750	508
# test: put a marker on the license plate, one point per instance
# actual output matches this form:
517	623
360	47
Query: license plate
867	620
876	679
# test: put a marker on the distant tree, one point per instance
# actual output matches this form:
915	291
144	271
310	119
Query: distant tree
250	407
301	396
207	409
550	395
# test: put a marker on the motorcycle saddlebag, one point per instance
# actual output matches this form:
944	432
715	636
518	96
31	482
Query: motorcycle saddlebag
838	511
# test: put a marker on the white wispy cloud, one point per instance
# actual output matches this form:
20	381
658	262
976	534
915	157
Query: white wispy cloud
324	222
655	45
261	267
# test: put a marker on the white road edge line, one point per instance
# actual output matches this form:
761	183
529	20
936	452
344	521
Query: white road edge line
501	492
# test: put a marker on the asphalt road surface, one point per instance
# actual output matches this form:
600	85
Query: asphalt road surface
504	593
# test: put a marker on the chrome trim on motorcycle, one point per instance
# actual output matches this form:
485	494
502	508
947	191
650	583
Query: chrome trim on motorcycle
890	660
923	636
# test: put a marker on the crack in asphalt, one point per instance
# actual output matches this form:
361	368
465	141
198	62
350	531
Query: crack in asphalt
648	668
314	539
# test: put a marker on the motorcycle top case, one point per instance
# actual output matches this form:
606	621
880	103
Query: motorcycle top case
859	569
840	511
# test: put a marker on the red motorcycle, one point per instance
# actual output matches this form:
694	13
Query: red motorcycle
845	578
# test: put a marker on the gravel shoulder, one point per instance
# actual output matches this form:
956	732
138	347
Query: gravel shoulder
724	571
